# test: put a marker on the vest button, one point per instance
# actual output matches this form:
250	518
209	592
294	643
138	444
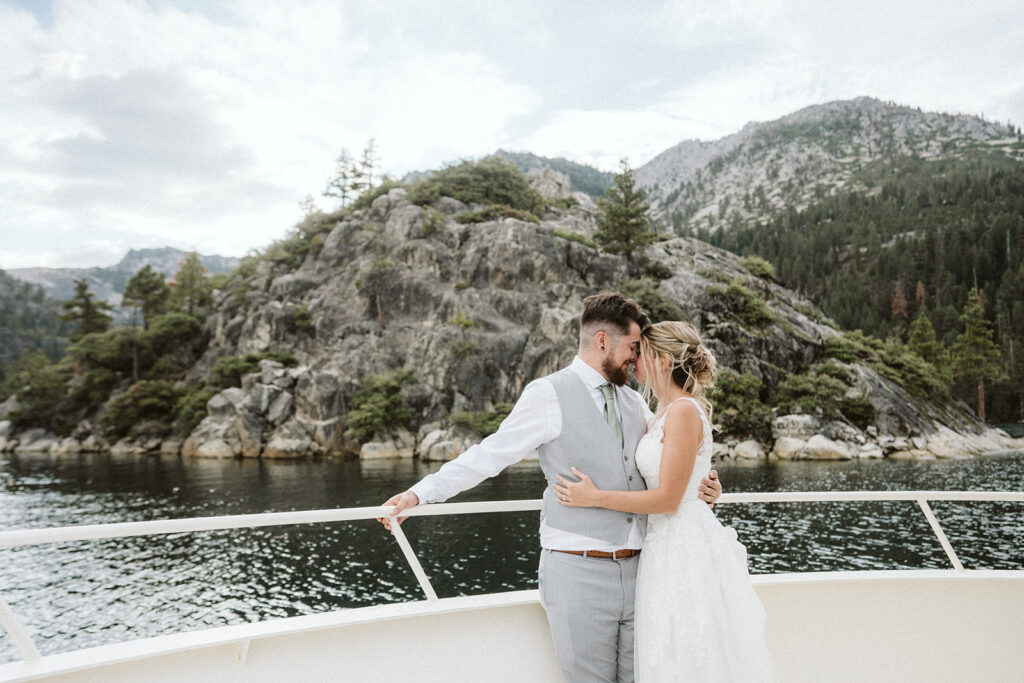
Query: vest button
631	477
626	458
629	520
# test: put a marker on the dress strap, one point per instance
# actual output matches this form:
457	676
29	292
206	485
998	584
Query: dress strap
700	409
705	422
663	412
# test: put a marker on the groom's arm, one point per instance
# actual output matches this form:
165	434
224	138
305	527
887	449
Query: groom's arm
535	419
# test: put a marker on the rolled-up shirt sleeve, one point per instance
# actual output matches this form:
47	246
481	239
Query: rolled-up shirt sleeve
535	419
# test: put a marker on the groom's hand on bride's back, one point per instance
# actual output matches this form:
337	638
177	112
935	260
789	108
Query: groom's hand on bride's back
710	488
402	501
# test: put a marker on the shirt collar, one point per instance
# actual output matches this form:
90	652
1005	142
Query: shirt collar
591	377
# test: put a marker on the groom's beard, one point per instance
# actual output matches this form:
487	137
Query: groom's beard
616	374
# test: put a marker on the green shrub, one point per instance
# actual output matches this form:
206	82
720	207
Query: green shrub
171	332
112	350
656	305
824	388
577	237
806	393
464	349
483	422
739	409
302	320
814	314
758	267
433	221
148	400
93	388
289	252
42	391
894	362
657	270
495	212
365	200
562	202
229	370
163	368
241	277
378	406
190	408
835	371
743	303
714	275
859	411
488	181
218	281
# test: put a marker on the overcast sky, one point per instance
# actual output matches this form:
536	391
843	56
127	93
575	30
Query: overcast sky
201	125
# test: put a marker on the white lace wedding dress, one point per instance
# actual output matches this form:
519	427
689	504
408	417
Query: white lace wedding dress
697	616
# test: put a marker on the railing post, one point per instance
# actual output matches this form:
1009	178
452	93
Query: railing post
946	545
21	640
410	557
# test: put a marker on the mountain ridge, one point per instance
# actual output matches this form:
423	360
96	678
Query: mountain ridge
108	282
813	152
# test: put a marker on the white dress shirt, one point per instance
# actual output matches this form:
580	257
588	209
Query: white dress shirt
535	419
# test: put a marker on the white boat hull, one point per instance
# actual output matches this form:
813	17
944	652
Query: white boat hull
928	625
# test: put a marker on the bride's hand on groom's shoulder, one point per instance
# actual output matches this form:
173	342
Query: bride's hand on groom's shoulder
710	488
401	501
579	494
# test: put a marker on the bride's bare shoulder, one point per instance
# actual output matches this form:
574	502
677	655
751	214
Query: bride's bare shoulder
683	414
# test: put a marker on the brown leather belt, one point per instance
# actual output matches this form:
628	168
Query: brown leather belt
604	554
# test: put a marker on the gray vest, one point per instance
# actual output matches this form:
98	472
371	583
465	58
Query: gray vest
589	444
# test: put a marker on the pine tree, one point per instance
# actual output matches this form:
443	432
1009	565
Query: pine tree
345	181
622	220
975	355
89	314
369	161
147	291
191	290
923	342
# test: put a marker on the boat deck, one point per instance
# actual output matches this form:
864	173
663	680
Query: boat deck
906	625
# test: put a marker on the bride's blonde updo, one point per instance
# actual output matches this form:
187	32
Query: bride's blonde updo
693	363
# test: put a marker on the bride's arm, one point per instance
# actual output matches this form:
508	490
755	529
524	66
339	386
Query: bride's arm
683	432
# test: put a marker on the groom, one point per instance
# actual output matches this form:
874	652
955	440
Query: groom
582	416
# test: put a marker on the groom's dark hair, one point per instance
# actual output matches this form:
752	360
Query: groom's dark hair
611	308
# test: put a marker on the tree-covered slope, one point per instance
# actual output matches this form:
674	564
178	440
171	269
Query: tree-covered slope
28	322
919	239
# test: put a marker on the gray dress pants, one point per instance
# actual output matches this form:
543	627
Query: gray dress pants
589	603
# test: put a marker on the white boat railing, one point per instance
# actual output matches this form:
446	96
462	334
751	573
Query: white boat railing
89	532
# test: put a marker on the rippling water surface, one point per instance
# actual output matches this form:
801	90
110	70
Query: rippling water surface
74	595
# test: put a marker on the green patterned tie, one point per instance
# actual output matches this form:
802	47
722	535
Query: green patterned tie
611	416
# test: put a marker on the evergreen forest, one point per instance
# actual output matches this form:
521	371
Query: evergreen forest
918	244
29	322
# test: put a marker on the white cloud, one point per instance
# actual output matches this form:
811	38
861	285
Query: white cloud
143	123
167	125
602	138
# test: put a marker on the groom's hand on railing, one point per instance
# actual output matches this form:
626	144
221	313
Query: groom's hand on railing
710	488
402	501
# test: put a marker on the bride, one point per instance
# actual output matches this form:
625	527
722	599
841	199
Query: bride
697	616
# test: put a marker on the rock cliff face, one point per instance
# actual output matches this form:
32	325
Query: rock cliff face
476	311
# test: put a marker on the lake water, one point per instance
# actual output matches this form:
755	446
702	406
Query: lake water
74	595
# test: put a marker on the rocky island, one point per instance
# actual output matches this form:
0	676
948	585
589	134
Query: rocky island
463	314
405	324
